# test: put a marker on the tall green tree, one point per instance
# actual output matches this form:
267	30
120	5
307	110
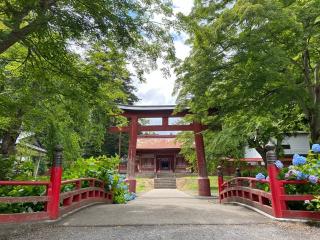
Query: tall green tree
255	62
63	65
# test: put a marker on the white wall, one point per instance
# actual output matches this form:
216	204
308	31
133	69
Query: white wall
298	144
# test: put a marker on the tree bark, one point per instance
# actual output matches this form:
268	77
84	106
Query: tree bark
16	36
263	152
10	136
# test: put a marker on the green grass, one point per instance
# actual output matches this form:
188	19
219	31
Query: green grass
144	185
187	184
190	184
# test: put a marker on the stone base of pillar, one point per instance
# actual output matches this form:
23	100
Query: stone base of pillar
132	184
204	186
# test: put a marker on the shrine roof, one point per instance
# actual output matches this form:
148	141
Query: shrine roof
153	142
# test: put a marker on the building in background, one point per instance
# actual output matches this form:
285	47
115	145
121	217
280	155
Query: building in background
294	143
156	154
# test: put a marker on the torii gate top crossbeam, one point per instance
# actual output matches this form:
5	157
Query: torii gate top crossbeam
164	112
152	111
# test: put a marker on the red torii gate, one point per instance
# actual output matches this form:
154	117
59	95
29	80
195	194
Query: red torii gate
133	113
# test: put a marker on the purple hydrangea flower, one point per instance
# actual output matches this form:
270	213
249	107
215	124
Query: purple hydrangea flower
260	176
279	164
315	148
313	179
298	160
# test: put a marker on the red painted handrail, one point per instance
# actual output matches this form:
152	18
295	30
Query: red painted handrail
275	202
25	183
71	200
295	182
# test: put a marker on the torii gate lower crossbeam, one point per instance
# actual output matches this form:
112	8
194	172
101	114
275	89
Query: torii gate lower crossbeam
133	113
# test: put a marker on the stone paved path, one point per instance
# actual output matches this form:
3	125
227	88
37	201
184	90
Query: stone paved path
169	214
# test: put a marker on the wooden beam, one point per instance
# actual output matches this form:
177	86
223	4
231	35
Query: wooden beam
154	128
166	128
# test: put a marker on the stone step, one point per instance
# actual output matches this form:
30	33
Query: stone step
165	179
165	175
165	183
165	187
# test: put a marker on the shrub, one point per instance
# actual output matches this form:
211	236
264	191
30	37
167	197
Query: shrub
307	169
102	168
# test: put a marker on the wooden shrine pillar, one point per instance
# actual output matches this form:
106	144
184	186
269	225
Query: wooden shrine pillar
133	134
203	180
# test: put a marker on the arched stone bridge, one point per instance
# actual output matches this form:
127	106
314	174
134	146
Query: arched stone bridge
164	214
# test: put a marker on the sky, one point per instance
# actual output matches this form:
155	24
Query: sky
157	90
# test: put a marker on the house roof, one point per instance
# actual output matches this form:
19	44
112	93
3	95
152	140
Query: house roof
159	142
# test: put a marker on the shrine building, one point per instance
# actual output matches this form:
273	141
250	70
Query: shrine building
157	154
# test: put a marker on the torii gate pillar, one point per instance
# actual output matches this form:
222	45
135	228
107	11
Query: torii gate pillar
203	180
133	134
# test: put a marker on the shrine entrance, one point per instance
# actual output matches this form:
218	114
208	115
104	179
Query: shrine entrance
163	163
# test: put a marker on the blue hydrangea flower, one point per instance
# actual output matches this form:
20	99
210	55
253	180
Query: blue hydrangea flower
260	176
313	179
122	177
299	175
298	160
129	196
315	148
279	164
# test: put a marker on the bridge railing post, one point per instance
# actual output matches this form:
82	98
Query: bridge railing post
55	184
275	185
220	181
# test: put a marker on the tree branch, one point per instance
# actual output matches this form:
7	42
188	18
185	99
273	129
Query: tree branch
18	35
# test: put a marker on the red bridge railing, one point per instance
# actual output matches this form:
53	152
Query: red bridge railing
94	192
275	201
59	197
83	192
244	190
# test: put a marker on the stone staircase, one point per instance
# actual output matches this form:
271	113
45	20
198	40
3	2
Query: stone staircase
165	183
165	175
165	180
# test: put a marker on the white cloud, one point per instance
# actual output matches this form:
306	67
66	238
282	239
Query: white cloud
183	6
157	90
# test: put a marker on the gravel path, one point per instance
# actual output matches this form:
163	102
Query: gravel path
167	214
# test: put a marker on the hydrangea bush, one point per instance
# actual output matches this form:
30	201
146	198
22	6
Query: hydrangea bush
102	167
302	168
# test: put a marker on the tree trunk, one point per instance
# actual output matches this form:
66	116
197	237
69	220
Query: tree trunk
263	152
315	128
9	137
